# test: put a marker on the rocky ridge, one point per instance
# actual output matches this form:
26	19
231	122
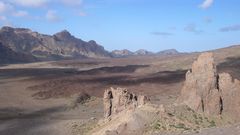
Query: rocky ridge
61	45
143	52
168	52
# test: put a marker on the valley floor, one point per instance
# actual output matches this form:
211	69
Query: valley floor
37	98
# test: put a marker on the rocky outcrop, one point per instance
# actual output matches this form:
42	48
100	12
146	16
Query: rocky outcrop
200	90
207	92
230	93
117	100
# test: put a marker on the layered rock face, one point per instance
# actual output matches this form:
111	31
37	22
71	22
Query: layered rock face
207	92
117	100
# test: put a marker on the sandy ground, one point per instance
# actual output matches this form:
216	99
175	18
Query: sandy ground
227	130
34	98
21	114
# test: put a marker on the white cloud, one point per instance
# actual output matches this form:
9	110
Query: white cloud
4	7
206	4
7	9
20	13
31	3
52	16
72	2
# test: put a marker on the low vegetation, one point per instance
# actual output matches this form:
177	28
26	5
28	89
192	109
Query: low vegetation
183	119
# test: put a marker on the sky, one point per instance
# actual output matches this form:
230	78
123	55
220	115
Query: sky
155	25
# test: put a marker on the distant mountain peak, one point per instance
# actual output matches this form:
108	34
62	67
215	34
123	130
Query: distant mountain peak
22	30
126	53
93	42
65	31
173	50
63	34
121	53
168	52
7	29
143	52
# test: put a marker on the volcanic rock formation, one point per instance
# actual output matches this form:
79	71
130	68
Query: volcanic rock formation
230	93
117	100
200	90
207	92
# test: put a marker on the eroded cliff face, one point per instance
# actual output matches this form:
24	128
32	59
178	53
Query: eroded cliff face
210	93
119	99
200	91
230	94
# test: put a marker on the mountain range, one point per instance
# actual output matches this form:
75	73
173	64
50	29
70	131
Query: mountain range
61	45
142	52
24	45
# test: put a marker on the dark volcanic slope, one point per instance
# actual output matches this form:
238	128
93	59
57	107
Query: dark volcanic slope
61	45
9	56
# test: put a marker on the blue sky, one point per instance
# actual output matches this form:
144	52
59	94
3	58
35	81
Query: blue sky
186	25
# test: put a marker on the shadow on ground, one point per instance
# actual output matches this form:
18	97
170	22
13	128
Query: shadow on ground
95	84
231	65
115	69
165	77
39	73
25	124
